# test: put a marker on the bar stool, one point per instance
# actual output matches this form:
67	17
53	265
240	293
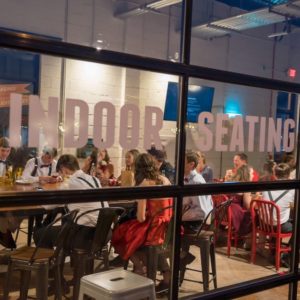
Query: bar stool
83	259
41	260
116	284
204	239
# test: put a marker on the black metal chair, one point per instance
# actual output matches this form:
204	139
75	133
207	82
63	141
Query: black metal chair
204	239
39	217
153	252
41	260
83	260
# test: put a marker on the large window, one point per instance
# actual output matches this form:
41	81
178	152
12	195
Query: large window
239	132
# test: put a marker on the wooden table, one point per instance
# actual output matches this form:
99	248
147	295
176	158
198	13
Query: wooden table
31	211
29	187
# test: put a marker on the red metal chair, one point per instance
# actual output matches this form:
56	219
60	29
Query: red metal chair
226	220
264	224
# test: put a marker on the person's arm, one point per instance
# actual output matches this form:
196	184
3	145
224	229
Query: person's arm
26	175
247	200
228	175
165	180
141	210
142	204
50	206
186	205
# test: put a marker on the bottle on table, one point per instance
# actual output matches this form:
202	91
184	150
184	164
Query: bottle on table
9	175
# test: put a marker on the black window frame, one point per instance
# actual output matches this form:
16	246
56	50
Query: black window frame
184	70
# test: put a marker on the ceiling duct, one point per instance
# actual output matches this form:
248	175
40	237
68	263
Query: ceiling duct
262	17
153	6
271	12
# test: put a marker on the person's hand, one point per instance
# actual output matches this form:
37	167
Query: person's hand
256	196
228	175
104	181
57	177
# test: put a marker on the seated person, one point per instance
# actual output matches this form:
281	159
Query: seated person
105	173
68	166
8	223
149	228
164	167
41	169
268	171
198	207
241	219
195	208
127	175
283	198
203	169
5	150
241	159
91	162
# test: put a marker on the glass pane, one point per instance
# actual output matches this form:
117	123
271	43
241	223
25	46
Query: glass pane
236	126
249	254
148	28
125	112
107	116
250	37
132	242
148	243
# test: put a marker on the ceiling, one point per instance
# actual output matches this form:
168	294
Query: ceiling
252	4
251	14
287	13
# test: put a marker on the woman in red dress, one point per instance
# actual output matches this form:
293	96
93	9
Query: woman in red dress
153	216
241	219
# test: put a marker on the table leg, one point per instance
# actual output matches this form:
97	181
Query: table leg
30	229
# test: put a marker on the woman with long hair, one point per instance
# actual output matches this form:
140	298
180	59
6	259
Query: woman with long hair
127	175
153	215
91	162
241	203
130	158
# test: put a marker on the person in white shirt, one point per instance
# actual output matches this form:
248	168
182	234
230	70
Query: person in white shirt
283	198
195	208
4	153
8	223
42	168
68	167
